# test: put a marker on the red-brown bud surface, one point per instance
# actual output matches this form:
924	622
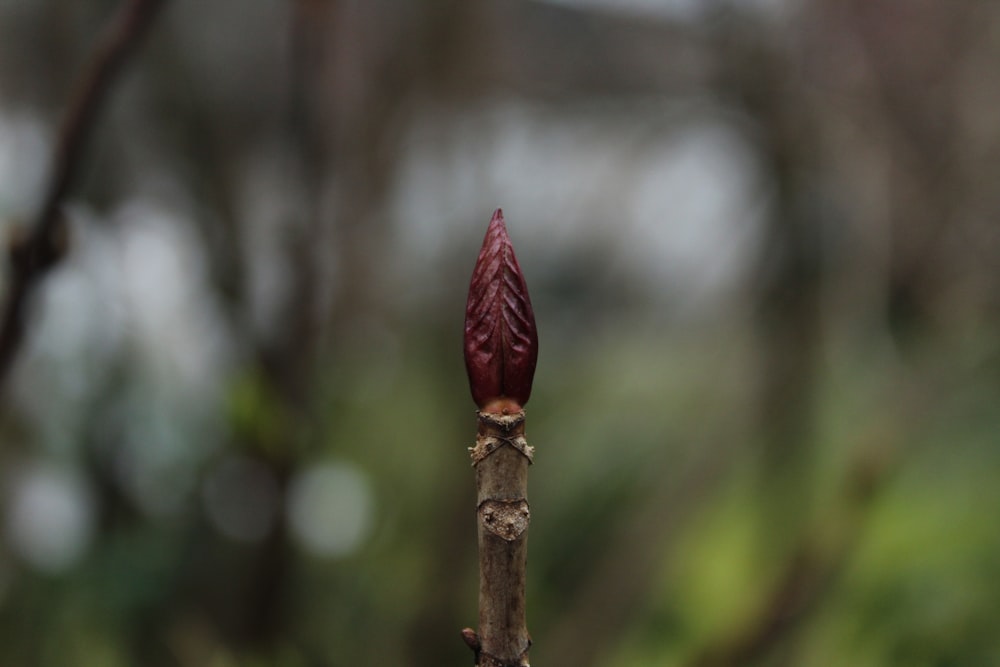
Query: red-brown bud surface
501	342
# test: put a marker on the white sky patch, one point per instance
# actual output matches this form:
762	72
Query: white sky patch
695	212
134	287
671	193
76	324
164	286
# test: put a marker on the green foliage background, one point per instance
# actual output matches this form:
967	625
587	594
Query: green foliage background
798	469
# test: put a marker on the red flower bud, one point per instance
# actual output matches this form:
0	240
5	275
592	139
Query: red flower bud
501	342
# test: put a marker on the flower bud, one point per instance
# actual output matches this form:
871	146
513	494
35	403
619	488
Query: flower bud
501	342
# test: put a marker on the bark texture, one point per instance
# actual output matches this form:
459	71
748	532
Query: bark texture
501	458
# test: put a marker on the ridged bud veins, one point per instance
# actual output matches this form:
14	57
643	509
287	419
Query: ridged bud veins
501	342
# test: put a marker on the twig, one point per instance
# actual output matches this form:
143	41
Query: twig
501	457
35	252
811	572
609	600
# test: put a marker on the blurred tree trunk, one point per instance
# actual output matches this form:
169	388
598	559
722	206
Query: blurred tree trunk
758	71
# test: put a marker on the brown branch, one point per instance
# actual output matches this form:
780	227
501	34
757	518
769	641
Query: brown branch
799	590
501	458
35	252
608	602
812	571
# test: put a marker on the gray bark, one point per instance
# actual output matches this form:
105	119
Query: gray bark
501	458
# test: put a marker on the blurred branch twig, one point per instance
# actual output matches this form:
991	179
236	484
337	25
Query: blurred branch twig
811	572
34	252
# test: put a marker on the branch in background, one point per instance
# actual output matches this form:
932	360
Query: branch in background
35	252
808	575
501	348
811	572
611	599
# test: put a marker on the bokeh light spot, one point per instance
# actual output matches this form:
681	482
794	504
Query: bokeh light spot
330	509
50	518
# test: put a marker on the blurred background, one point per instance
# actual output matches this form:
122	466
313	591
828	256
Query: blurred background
762	245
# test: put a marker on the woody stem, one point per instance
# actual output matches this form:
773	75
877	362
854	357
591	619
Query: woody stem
501	458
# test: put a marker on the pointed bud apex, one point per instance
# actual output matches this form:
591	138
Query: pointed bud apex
501	343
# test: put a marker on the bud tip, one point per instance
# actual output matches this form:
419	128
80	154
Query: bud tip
501	342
